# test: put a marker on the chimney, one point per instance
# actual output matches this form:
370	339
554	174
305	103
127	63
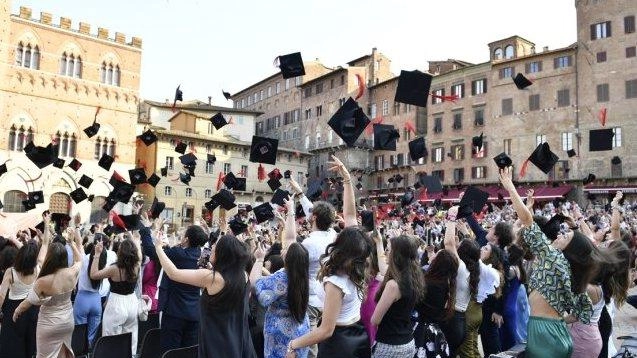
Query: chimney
102	33
45	18
25	12
210	100
85	28
545	48
65	23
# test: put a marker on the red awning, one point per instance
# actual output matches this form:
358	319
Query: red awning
611	189
541	193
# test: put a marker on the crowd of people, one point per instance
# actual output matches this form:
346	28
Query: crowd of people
430	282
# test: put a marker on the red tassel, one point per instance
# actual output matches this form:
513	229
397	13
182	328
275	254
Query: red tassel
602	116
54	140
261	173
361	87
370	127
117	176
410	127
452	98
220	180
523	169
117	221
97	111
231	120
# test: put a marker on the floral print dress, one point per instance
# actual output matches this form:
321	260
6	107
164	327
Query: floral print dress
279	326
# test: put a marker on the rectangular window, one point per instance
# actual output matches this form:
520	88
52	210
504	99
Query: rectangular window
437	97
630	52
617	138
440	174
244	171
332	83
168	191
458	175
342	80
372	110
287	84
539	139
438	125
226	168
269	91
506	72
209	167
567	141
507	146
507	106
478	172
478	115
169	163
385	107
457	121
341	102
392	160
601	56
319	111
563	98
478	87
277	87
629	24
533	67
458	90
308	113
457	152
261	94
308	92
534	102
479	154
600	30
319	88
249	100
602	93
256	97
439	154
396	108
562	62
631	89
297	82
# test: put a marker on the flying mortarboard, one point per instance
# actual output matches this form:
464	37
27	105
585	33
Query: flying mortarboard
156	208
59	163
75	164
109	203
431	182
78	195
212	204
106	161
148	137
230	180
137	176
274	184
502	160
218	120
542	157
291	65
571	153
211	158
181	147
263	150
413	88
164	171
521	82
600	140
552	227
275	174
227	95
240	184
92	130
28	205
385	137
263	212
589	179
477	142
237	226
188	159
3	169
41	156
417	149
185	178
179	96
349	121
359	186
153	180
225	198
37	197
130	222
287	174
279	196
85	181
472	201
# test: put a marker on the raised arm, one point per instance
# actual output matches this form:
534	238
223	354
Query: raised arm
46	237
616	218
524	214
349	199
305	202
257	269
96	273
450	231
4	286
290	225
530	199
380	252
76	246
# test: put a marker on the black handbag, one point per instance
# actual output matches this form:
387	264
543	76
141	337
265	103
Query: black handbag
346	342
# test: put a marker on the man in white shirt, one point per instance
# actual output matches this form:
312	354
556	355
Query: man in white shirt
321	216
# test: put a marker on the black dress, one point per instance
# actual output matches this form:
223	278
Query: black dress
224	332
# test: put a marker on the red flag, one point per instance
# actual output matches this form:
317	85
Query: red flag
370	127
220	180
361	87
453	98
602	116
261	173
410	127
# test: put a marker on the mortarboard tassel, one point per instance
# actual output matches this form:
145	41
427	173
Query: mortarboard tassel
453	98
220	180
261	173
361	87
370	127
97	111
117	221
602	116
523	169
226	94
410	127
117	176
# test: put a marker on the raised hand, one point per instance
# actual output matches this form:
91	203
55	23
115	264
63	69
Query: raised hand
335	165
506	179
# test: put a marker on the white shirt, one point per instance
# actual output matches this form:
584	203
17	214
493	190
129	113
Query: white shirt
463	294
316	243
489	281
351	308
111	258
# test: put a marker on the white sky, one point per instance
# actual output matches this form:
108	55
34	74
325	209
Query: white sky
210	45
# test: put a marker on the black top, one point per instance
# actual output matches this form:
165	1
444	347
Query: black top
122	287
396	327
432	308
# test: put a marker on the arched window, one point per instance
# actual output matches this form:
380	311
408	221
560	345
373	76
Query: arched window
497	54
27	56
168	191
110	74
188	192
19	137
207	193
68	144
104	146
70	65
508	52
13	201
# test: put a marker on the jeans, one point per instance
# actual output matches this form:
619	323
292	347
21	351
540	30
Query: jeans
454	330
87	309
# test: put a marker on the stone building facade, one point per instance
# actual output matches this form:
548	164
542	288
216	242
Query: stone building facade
54	78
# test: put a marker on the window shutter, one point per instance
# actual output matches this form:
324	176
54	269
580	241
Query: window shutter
556	62
593	32
570	59
539	66
473	87
608	34
527	67
462	87
484	85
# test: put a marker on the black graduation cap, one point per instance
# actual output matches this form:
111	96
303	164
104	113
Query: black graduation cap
543	158
92	130
552	227
616	160
164	171
385	136
314	190
225	198
212	204
477	142
28	205
263	150
299	212
407	198
130	222
78	195
181	147
58	163
188	159
287	174
240	184
211	158
237	226
367	220
600	140
185	178
390	180
90	198
413	88
75	164
37	197
502	160
274	184
571	153
156	208
349	121
61	221
417	149
122	193
85	181
248	208
275	174
291	65
109	203
3	169
431	182
148	137
106	161
263	212
179	96
230	180
41	156
137	176
359	186
521	82
399	178
589	179
218	120
278	197
472	201
153	180
226	94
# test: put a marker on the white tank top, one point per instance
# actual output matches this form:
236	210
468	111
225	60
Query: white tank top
18	290
597	308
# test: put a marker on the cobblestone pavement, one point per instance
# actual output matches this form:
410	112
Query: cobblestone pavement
625	320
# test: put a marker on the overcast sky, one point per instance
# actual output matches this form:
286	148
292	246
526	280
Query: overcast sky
210	45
